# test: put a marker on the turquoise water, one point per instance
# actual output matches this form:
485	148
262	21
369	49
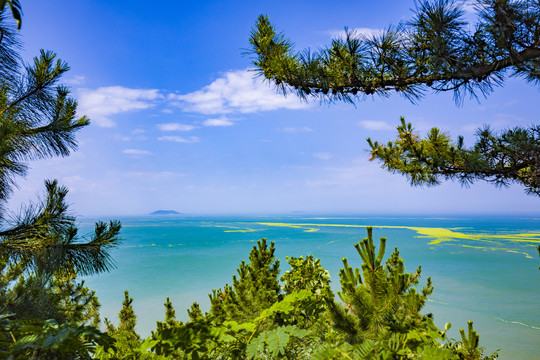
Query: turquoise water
483	269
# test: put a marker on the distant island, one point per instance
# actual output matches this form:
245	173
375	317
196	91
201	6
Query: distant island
165	212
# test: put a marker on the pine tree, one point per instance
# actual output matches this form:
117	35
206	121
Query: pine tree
166	327
60	297
380	319
126	340
40	250
434	51
306	274
255	288
170	317
381	300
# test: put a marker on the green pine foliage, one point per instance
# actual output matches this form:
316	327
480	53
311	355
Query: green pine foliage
60	296
76	302
253	289
381	300
40	257
512	156
170	317
48	340
37	121
44	237
126	340
469	346
270	324
306	274
438	50
310	312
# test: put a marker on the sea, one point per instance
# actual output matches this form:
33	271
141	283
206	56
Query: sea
484	269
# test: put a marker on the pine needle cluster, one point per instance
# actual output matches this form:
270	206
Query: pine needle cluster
512	156
254	288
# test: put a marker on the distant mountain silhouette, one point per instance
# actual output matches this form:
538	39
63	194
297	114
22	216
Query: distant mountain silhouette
165	212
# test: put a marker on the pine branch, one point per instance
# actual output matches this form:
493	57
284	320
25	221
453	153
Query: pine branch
40	78
46	239
432	51
37	120
511	156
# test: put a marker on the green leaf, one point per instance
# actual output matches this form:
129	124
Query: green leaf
326	353
255	346
277	340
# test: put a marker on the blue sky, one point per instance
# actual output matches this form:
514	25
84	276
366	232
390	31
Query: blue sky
179	122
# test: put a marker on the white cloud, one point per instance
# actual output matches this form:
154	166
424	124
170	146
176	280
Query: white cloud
136	152
356	32
236	92
323	155
297	130
375	125
103	102
179	139
75	80
222	121
175	127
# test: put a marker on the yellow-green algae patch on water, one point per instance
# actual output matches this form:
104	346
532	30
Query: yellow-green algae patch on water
438	241
235	229
448	233
440	236
147	245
